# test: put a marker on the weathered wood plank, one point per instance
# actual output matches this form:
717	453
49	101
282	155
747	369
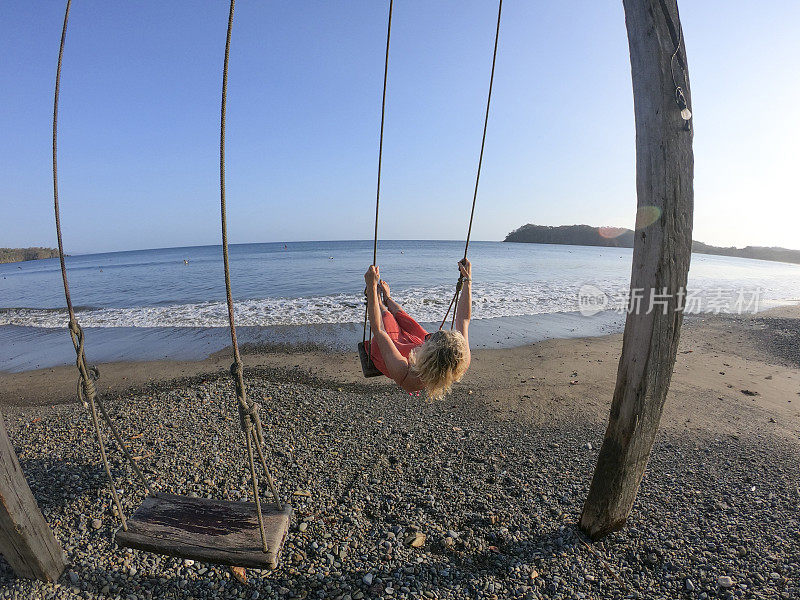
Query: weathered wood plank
661	253
26	541
215	531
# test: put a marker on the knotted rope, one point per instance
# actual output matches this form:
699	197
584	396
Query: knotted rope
87	375
249	417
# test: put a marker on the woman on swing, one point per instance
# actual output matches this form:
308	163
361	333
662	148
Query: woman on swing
403	351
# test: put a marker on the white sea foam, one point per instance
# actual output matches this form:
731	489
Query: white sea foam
424	304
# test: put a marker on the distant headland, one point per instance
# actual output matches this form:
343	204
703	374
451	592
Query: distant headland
620	237
10	255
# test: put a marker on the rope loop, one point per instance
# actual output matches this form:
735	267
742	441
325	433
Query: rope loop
76	333
244	416
247	408
248	414
86	387
88	374
75	328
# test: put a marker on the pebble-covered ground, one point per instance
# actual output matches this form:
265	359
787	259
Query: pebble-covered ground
492	501
778	336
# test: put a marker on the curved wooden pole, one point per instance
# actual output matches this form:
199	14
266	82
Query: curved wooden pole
26	541
661	254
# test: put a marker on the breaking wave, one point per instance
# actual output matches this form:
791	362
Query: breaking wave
425	304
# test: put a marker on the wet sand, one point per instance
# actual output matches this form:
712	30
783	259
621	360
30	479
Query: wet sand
29	348
733	375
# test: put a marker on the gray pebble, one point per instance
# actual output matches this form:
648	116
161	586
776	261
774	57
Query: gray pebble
499	498
724	581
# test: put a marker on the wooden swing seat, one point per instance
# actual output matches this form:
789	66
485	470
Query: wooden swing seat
367	366
214	531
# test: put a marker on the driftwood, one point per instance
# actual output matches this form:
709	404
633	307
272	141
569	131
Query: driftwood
215	531
661	253
26	541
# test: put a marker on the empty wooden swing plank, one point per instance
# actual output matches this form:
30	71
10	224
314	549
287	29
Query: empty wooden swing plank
214	531
367	366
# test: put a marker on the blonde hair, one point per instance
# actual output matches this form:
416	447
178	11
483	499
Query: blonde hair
440	362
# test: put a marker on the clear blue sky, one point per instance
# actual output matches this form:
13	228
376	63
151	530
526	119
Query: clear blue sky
139	120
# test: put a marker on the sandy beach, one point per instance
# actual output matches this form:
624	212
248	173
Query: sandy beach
493	477
728	369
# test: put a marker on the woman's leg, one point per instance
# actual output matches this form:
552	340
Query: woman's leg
409	325
392	306
404	322
390	325
386	298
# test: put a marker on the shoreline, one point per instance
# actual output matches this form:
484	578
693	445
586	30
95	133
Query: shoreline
33	348
729	368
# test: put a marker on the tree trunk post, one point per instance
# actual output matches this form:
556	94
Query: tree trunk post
661	254
26	541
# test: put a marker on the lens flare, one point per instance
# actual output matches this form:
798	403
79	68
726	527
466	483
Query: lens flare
646	216
611	232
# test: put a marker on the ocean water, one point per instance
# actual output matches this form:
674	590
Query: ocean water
301	288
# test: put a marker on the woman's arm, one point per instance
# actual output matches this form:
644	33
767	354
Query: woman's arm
396	363
372	277
464	308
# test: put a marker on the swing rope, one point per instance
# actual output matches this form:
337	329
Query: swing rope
454	302
87	375
460	283
249	417
380	143
380	164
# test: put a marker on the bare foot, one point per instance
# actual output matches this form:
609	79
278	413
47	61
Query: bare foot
384	288
239	574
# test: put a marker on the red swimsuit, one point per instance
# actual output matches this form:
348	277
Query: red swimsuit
405	332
